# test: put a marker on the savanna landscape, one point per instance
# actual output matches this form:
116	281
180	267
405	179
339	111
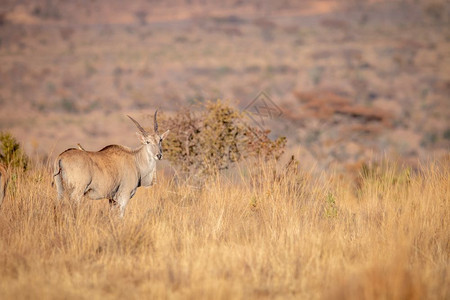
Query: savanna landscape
308	154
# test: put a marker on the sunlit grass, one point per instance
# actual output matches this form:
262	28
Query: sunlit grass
254	232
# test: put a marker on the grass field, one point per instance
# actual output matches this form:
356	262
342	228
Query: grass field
254	232
353	81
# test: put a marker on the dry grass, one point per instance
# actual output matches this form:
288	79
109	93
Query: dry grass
252	233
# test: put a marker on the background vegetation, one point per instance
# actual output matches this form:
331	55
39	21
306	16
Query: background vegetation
354	79
214	138
11	152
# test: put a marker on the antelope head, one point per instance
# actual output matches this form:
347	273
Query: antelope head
151	141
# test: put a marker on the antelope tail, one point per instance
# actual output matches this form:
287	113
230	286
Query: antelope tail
57	170
57	179
57	167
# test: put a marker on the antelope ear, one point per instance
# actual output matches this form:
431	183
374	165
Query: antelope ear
163	136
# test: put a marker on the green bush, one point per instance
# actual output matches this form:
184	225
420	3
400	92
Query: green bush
11	152
214	138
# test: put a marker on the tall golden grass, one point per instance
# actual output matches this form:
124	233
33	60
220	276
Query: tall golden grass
255	232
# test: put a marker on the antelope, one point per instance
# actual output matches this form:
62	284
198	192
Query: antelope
114	172
3	182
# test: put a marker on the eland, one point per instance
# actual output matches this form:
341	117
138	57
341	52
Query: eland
3	182
114	172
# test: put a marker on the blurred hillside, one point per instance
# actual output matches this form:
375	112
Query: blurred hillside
353	79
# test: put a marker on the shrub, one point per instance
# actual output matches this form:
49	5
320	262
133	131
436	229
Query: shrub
214	138
435	11
12	154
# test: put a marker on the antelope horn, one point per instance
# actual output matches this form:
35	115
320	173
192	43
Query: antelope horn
156	123
142	130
